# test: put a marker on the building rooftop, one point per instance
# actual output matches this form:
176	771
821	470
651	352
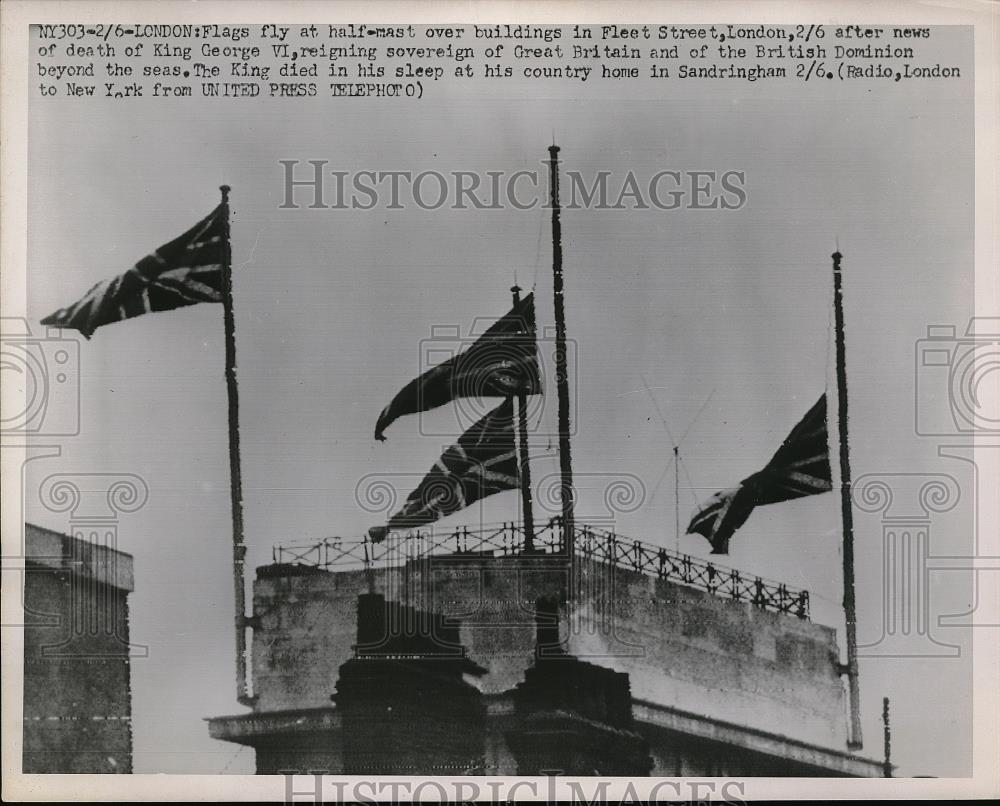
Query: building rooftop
507	539
83	554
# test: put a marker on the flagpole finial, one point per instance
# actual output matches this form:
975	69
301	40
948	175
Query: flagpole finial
224	189
836	260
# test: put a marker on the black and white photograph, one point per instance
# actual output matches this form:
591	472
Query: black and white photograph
498	402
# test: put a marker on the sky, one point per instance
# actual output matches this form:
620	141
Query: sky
333	308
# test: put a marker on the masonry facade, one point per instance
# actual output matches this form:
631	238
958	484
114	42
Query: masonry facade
77	676
475	664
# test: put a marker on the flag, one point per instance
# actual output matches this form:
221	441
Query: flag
186	271
800	467
480	464
501	363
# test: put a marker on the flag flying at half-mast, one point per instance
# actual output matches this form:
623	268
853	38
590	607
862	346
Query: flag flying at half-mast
186	271
480	464
502	362
194	267
800	467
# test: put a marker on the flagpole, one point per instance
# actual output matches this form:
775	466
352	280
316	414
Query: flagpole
677	497
886	740
235	479
850	610
562	379
525	470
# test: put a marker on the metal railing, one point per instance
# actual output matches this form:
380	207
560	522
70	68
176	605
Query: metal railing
506	539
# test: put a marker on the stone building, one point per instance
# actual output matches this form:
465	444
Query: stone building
77	694
464	654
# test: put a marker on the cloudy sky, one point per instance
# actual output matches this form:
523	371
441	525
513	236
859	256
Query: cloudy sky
333	306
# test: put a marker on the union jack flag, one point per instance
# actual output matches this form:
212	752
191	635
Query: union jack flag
800	467
186	271
480	464
502	362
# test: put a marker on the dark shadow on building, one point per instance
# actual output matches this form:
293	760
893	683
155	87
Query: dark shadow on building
77	687
572	717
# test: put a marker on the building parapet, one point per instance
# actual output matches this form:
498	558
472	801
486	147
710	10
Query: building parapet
507	539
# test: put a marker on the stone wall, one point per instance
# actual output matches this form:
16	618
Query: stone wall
682	648
77	689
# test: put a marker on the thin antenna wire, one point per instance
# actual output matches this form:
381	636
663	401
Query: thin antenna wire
658	411
677	456
696	416
676	447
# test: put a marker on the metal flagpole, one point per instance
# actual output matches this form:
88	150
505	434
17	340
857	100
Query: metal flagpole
886	740
525	470
562	379
847	513
677	498
235	480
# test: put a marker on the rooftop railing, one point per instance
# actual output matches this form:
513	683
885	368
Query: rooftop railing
506	539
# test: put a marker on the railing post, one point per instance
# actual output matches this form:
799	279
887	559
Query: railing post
776	597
